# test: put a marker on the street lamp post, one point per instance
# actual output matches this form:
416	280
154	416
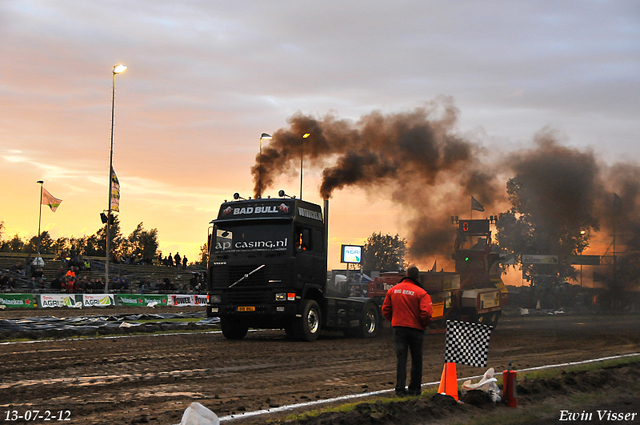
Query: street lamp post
263	136
117	69
304	136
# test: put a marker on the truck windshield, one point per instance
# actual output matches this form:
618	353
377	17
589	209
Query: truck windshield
233	237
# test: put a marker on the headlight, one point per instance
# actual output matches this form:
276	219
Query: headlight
216	299
281	297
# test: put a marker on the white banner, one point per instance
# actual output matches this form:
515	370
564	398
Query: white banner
181	300
57	300
98	300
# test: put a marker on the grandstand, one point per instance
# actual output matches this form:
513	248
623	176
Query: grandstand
135	273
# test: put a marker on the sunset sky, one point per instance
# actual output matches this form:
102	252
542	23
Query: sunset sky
206	79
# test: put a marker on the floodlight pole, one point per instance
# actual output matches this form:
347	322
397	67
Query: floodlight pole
117	69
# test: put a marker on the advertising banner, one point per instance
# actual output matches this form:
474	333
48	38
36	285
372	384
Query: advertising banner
585	260
183	300
57	300
539	259
141	299
97	300
18	300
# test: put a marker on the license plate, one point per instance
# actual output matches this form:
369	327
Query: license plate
248	308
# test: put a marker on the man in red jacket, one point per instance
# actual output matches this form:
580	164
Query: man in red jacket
408	307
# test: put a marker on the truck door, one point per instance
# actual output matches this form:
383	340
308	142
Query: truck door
304	254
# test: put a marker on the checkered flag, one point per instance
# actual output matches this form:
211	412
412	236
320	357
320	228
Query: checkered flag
467	343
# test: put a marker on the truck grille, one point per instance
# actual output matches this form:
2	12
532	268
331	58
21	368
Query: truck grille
223	276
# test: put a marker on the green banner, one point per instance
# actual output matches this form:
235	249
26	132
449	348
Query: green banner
18	300
141	299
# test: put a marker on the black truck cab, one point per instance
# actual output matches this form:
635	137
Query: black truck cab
267	269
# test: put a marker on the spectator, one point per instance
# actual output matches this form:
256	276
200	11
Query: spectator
37	284
124	283
70	280
184	262
27	263
98	285
116	283
87	265
3	281
177	259
81	284
17	268
56	284
11	285
60	273
38	273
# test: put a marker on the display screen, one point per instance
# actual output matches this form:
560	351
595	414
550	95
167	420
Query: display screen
351	254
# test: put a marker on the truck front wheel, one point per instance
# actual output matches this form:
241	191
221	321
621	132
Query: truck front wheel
307	327
232	329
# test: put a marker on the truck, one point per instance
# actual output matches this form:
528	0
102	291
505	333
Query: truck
267	269
475	292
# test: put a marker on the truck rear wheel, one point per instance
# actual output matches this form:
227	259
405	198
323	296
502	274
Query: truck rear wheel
232	329
307	327
369	323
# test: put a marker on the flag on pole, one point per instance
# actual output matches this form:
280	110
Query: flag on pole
115	192
49	199
475	205
467	343
433	269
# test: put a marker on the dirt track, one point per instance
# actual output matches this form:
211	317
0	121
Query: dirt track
152	379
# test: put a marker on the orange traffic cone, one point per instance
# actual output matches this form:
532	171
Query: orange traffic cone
449	381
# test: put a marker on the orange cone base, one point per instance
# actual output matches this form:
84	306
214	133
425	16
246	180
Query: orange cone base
449	381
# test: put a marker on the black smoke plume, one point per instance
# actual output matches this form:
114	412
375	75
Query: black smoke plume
418	160
415	157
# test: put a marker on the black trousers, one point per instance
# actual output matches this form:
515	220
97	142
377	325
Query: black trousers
408	339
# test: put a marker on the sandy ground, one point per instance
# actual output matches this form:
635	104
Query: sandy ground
153	379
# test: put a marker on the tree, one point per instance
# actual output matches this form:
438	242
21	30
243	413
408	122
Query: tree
384	252
532	226
142	242
46	243
14	244
204	255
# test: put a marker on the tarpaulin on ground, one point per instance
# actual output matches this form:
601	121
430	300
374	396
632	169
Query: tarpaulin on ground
93	323
18	300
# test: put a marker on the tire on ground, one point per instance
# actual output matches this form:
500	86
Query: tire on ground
369	323
307	327
232	329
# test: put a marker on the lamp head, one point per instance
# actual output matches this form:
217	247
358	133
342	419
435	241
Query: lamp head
118	69
265	136
305	135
